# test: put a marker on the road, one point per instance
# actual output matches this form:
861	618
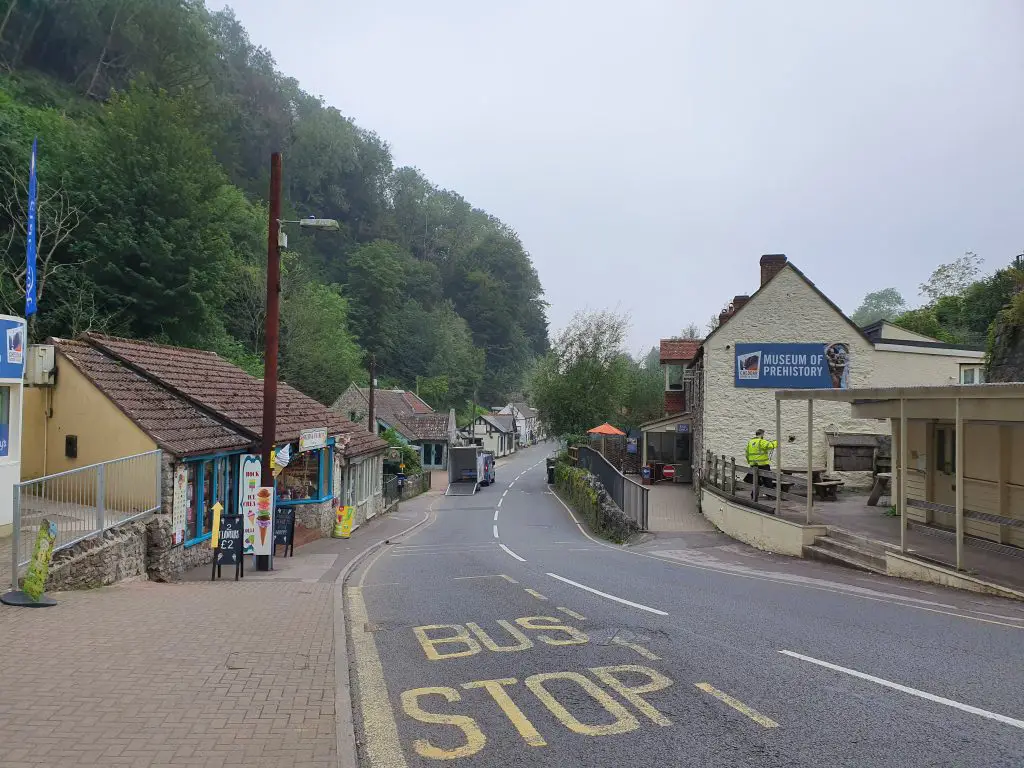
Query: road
500	634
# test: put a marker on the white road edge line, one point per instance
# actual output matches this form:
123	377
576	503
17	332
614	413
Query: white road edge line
509	551
495	515
912	691
606	595
501	500
495	530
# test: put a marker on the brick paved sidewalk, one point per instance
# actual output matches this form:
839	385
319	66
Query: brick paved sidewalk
189	674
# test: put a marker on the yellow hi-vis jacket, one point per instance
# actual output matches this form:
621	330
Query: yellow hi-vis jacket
759	450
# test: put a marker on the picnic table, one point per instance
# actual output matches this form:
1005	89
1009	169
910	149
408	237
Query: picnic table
827	490
816	474
882	481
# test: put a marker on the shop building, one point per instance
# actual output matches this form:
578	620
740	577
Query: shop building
669	439
413	420
789	335
113	397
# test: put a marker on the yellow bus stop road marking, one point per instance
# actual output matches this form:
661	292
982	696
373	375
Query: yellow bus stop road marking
634	647
509	579
536	594
575	615
738	705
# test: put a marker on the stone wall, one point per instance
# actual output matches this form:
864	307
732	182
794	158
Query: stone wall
316	517
588	497
99	561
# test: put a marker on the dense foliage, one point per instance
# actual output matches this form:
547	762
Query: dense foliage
156	120
588	378
961	307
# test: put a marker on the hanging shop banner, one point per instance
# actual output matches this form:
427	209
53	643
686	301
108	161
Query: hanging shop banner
263	542
179	504
251	469
793	366
312	439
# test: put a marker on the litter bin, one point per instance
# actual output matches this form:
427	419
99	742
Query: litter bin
551	471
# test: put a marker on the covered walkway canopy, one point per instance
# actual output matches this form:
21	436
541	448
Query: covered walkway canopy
995	451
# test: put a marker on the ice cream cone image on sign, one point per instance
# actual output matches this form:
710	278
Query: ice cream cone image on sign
264	518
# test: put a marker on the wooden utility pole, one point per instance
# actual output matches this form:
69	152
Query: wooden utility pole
272	336
372	420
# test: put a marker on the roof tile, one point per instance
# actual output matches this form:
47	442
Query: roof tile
193	401
679	349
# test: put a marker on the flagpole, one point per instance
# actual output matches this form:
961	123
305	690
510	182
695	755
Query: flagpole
31	239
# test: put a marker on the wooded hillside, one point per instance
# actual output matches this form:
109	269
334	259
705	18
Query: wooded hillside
156	120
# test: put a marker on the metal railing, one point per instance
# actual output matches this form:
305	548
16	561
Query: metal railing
630	496
83	503
391	490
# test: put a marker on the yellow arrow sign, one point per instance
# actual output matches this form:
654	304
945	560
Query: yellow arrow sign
216	509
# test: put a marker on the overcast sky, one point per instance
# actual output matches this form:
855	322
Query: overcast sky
648	152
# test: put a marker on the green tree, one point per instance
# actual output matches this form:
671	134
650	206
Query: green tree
167	230
952	279
318	354
584	380
884	304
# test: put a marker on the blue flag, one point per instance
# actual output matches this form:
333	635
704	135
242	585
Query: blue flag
30	248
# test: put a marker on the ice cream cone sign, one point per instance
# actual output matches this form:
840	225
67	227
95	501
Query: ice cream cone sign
264	521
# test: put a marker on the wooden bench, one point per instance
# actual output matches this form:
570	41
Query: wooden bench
827	489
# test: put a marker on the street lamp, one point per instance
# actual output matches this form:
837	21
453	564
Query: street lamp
275	241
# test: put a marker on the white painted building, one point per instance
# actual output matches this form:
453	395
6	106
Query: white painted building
526	422
494	433
740	367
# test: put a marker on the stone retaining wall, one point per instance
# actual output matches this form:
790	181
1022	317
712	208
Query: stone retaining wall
587	496
119	554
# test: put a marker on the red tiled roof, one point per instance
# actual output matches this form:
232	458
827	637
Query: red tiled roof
216	404
404	411
679	349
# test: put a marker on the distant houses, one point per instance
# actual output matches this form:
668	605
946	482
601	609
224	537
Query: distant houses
412	419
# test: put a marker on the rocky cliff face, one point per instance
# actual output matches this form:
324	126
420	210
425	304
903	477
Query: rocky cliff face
1006	356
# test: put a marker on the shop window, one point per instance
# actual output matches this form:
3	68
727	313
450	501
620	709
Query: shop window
209	481
307	478
945	450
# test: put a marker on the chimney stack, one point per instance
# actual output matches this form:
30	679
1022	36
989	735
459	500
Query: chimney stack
737	304
771	265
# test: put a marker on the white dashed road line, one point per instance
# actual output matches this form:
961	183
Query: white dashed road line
912	691
496	515
495	530
609	597
509	551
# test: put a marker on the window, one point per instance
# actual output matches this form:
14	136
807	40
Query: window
674	377
307	478
972	374
945	450
207	482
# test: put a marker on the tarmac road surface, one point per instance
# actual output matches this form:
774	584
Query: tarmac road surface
500	634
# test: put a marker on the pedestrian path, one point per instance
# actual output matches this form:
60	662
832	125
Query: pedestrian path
672	508
197	673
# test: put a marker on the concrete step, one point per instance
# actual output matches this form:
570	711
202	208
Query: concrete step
841	554
856	550
839	534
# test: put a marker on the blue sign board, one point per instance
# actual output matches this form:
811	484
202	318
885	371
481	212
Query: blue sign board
682	427
12	360
793	366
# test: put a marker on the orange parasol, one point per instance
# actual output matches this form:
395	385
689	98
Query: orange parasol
606	429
